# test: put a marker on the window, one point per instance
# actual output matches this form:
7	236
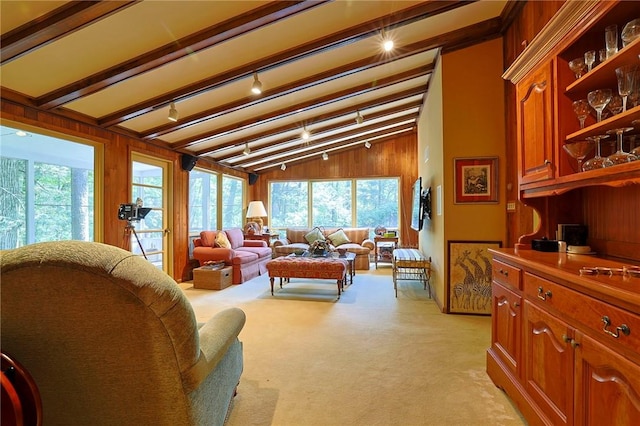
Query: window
47	189
232	198
289	204
347	203
377	203
210	211
332	203
203	201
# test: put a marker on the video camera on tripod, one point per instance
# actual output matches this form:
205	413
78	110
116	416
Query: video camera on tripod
133	212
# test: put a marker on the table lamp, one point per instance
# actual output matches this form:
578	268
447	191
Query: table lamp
255	213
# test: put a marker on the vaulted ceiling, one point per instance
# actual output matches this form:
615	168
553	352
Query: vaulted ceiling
122	64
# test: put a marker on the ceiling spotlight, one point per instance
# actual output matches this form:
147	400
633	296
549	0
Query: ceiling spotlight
256	87
359	118
325	156
305	133
367	144
387	42
283	167
173	113
247	150
21	133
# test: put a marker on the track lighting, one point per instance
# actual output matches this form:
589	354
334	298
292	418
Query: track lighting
359	118
247	150
256	87
387	42
283	167
305	133
325	156
367	144
173	113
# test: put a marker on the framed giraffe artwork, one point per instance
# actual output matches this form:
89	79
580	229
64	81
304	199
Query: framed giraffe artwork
469	278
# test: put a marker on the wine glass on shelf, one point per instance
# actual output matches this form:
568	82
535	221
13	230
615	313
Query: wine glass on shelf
597	161
581	108
579	150
590	59
636	151
578	67
626	82
615	105
598	99
620	156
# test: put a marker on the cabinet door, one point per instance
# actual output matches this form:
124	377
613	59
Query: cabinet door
506	329
549	364
535	125
607	387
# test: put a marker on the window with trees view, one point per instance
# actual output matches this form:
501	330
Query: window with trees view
46	189
334	203
204	202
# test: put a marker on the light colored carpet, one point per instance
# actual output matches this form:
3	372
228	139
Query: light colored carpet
365	359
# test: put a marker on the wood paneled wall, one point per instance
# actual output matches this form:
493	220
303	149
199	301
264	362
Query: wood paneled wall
395	157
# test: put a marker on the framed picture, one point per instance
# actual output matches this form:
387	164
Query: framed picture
469	280
476	180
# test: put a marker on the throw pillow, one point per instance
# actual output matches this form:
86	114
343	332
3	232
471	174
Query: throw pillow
222	241
339	238
313	235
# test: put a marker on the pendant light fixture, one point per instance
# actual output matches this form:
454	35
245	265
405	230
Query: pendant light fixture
256	87
173	113
325	156
247	150
367	144
359	118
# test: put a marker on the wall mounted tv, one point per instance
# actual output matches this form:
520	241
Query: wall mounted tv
416	205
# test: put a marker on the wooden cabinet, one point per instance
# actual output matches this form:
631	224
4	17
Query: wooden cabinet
535	125
566	347
546	89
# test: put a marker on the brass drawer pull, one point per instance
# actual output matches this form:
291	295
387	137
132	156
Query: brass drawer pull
542	295
624	328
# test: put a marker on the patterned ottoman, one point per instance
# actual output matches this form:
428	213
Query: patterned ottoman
308	267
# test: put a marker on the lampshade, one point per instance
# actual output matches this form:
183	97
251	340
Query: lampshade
256	209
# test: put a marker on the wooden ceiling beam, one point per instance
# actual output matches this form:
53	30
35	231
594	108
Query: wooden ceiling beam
296	159
305	106
414	91
318	131
54	25
250	21
305	146
341	38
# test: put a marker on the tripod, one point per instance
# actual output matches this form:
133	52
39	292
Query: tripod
132	228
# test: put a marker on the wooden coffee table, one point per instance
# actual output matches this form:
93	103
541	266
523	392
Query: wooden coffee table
322	267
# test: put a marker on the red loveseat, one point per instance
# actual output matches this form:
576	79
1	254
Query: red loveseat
248	258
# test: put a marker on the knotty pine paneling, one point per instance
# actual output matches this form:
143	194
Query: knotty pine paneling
396	157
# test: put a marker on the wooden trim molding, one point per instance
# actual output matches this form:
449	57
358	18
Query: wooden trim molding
553	36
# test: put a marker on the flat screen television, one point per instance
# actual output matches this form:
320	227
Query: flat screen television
416	205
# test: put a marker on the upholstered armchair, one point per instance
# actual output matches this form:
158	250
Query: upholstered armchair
110	339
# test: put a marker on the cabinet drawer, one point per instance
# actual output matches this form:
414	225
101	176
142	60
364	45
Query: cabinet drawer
505	274
623	327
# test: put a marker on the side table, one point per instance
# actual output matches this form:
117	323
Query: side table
264	237
378	257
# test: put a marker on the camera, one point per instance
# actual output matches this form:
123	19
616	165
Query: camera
132	212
